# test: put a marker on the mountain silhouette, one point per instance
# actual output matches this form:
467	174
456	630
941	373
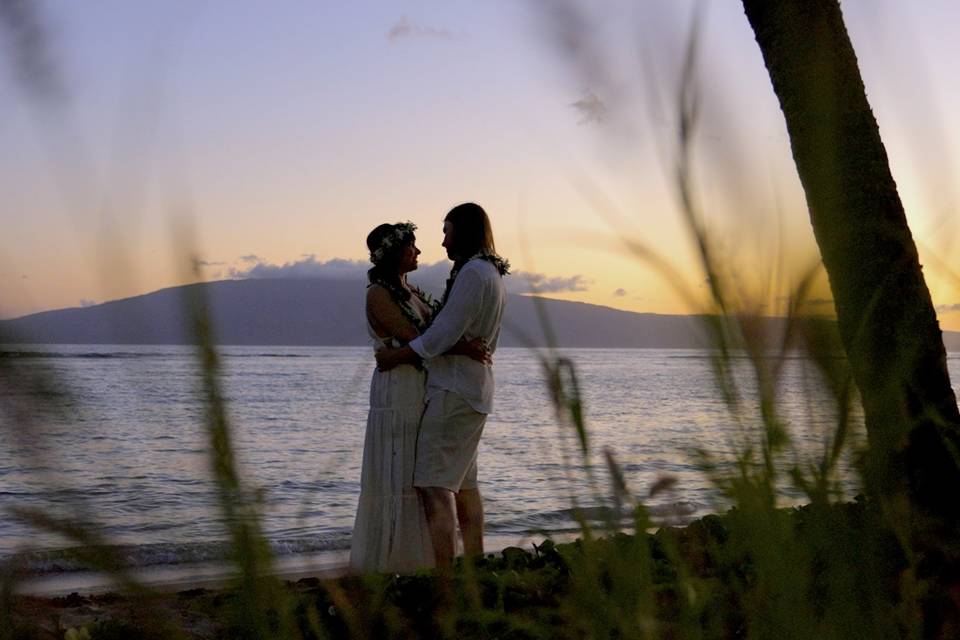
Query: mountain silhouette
330	312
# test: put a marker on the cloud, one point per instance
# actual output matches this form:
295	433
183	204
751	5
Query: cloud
526	282
87	303
251	258
948	308
404	29
205	263
591	108
620	293
308	267
431	277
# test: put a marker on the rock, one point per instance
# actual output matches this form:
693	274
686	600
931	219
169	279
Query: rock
515	557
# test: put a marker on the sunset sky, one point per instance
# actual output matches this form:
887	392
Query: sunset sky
274	136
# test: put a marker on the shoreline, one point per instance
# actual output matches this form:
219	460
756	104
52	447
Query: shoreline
704	579
189	593
181	577
213	575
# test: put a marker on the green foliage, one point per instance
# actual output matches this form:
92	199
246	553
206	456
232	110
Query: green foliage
829	569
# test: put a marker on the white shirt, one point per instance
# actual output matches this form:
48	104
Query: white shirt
474	309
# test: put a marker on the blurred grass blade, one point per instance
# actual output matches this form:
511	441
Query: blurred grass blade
564	387
263	608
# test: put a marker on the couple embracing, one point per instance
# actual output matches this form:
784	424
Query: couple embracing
429	397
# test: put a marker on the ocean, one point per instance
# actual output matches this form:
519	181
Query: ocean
118	440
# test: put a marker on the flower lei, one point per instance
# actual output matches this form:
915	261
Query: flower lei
502	265
406	307
401	233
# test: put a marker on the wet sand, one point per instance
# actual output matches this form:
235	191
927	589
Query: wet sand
184	595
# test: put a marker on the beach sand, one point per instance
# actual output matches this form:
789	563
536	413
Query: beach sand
214	575
180	594
184	595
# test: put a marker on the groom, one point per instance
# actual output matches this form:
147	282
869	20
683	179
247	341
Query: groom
459	389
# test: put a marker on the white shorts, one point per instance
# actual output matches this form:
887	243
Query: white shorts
450	432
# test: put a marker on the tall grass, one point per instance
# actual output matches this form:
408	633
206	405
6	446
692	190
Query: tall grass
830	569
261	609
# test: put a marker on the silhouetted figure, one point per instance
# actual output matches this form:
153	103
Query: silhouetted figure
390	531
459	390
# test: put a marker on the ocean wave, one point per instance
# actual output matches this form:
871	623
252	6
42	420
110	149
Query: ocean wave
130	355
264	355
740	355
73	559
92	355
566	520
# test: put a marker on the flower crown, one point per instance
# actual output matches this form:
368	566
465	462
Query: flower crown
401	233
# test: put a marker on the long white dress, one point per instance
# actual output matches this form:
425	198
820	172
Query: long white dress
390	531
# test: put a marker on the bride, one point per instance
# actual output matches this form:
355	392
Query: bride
390	532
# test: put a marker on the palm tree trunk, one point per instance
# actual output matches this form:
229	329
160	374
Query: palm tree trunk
885	315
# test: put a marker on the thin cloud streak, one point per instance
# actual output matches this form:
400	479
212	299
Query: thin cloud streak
405	29
591	108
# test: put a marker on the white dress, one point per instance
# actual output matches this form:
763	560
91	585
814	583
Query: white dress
390	531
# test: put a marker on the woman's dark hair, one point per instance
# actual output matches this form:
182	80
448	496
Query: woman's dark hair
386	244
472	233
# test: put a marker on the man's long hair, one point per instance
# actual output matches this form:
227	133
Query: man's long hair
472	233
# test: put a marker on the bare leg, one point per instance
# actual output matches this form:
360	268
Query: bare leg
438	503
470	516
